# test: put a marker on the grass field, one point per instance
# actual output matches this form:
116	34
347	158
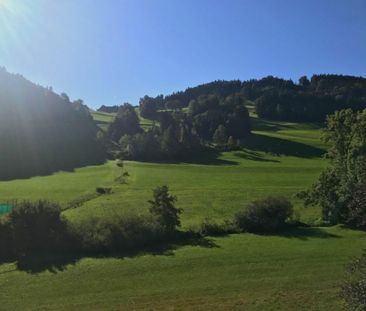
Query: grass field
299	270
102	119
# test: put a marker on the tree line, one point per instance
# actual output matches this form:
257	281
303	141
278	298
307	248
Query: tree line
275	98
42	132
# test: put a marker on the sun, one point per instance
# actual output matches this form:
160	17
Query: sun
4	4
13	7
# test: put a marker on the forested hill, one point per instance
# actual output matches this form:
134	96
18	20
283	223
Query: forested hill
306	100
42	132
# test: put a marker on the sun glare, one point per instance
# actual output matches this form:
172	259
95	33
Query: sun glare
15	20
6	5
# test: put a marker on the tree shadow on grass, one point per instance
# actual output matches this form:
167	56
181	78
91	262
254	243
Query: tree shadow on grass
252	156
252	145
209	157
259	124
306	233
51	262
58	262
29	170
278	146
267	125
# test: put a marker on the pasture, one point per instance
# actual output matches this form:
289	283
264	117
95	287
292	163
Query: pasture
299	270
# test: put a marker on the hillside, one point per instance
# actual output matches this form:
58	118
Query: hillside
276	98
42	132
300	269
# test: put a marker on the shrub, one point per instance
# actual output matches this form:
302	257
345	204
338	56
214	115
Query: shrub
212	228
6	243
103	190
357	209
264	216
354	286
37	227
121	233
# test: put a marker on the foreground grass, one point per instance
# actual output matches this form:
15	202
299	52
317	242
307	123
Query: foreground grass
298	271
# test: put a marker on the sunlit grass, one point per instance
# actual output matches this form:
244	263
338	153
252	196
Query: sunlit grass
299	270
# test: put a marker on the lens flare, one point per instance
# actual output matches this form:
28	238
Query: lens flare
15	20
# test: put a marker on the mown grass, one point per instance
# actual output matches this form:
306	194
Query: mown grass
299	270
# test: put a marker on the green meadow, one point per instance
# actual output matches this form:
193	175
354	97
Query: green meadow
298	270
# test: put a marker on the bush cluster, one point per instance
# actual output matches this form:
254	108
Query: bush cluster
36	227
212	228
265	216
268	215
122	233
33	227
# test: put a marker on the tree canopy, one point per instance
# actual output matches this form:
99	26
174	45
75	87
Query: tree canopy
341	186
308	100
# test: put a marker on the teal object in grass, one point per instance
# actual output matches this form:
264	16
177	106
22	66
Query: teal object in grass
5	208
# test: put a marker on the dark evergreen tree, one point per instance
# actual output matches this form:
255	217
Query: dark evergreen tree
163	207
148	107
220	136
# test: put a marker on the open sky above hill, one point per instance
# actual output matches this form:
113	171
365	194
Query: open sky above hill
108	52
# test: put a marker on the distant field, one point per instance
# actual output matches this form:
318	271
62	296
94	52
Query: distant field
102	118
300	270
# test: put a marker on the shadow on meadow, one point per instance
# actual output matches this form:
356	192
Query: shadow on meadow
306	233
252	145
29	170
211	157
54	262
279	146
274	126
58	262
252	156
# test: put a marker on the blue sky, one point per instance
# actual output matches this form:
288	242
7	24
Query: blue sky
113	51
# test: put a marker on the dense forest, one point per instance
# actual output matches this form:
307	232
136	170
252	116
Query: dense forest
275	98
215	115
210	122
42	132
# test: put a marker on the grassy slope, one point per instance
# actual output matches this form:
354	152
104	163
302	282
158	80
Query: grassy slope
102	118
299	271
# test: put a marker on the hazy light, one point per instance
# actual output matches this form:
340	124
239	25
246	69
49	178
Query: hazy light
9	6
16	20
